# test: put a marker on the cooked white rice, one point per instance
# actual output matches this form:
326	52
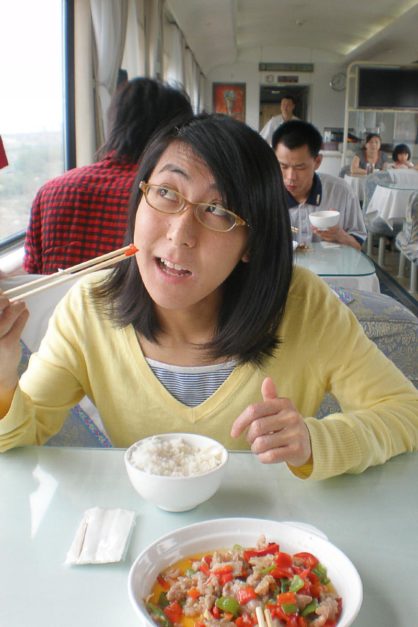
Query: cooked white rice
175	457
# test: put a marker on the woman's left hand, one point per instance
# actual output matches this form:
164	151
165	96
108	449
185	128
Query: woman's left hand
276	431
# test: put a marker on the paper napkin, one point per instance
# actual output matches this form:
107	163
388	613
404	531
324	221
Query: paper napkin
102	536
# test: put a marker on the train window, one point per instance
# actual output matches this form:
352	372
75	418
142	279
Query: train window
31	105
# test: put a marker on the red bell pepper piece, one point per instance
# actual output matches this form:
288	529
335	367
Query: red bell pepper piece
174	612
216	612
283	559
163	582
224	578
270	549
245	621
221	570
308	559
281	573
245	594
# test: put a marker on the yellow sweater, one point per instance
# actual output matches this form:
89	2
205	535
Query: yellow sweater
324	349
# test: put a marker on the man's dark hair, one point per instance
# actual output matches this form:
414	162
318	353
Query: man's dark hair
400	149
250	183
138	108
297	133
289	97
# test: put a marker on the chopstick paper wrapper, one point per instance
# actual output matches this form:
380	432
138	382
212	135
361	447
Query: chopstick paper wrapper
102	536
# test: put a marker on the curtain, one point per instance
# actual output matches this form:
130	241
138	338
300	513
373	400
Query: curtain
109	28
174	72
134	56
192	79
202	93
154	43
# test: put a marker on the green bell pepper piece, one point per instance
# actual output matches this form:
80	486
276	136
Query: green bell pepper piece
228	604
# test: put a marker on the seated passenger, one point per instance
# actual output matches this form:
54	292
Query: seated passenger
209	327
401	156
297	145
82	214
370	157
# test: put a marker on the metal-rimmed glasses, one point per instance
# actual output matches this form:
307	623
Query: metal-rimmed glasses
210	215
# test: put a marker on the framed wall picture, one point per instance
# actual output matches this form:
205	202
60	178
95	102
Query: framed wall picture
229	98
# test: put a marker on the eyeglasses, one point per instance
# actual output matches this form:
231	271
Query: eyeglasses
212	216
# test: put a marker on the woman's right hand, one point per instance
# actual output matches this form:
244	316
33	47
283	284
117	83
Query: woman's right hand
13	317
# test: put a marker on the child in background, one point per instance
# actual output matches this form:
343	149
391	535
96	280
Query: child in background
401	156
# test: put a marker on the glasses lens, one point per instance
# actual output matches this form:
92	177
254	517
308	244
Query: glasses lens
215	217
163	199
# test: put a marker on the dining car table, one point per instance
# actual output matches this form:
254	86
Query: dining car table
371	517
339	265
390	200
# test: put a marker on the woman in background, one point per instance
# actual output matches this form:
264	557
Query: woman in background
210	328
371	157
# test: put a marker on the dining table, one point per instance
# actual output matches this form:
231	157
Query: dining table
339	265
372	517
390	200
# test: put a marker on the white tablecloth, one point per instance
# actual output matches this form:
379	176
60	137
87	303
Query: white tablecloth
404	177
389	203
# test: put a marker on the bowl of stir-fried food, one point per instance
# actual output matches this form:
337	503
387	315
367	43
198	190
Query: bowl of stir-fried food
220	571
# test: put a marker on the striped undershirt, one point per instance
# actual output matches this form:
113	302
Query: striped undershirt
191	385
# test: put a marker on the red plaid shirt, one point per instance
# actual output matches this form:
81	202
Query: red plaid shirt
79	215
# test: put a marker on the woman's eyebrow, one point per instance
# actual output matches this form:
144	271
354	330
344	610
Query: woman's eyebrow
172	167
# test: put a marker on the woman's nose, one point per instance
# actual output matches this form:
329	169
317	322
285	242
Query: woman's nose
182	227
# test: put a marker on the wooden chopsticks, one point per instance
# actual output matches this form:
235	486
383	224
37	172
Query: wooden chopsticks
109	259
263	619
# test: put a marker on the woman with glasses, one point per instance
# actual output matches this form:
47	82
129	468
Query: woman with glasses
210	328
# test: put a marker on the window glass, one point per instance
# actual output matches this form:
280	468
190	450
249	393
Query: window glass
31	105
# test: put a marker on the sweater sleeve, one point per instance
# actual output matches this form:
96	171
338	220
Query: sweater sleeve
53	383
379	406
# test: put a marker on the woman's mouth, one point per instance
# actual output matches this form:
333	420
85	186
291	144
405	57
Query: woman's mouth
172	269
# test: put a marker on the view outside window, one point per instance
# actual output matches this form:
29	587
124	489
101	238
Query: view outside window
31	105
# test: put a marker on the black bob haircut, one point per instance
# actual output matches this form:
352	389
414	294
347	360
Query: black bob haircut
250	183
401	149
297	133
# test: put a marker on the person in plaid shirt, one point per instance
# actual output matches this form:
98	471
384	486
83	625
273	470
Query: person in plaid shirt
83	213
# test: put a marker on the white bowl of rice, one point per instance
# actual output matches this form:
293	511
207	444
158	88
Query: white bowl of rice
176	471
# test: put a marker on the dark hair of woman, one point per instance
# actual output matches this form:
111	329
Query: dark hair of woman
250	183
400	149
138	108
370	136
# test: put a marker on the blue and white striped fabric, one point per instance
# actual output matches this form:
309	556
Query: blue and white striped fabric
189	384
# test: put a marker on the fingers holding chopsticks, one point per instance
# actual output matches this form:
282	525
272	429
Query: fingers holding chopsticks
13	317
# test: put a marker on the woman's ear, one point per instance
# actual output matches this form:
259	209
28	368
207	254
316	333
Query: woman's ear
246	257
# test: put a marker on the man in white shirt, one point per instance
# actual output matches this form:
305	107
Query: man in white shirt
297	145
287	106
